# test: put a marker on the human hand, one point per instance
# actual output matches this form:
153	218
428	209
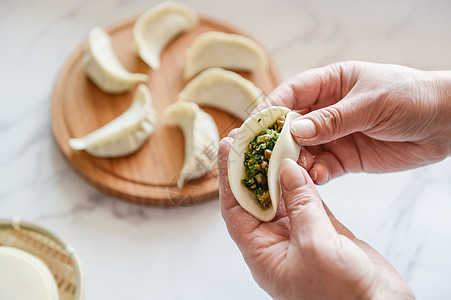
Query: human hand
368	117
305	253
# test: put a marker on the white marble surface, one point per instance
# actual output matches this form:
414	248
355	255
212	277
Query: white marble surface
134	252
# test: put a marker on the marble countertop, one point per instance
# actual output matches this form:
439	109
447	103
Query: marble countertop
135	252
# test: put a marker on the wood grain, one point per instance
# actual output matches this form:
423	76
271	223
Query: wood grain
149	175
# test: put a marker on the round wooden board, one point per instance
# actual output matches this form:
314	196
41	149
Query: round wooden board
149	175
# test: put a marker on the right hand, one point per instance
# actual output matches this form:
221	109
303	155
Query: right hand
368	117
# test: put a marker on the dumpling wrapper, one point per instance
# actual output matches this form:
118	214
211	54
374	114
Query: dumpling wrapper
201	139
229	51
285	147
158	26
25	276
103	67
125	134
224	90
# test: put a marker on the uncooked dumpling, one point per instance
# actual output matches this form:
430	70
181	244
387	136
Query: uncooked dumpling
125	134
285	147
229	51
23	276
158	26
224	90
201	139
103	67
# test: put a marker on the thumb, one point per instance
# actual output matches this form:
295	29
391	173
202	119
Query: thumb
308	218
329	123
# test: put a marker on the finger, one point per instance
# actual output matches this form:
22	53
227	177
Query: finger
281	212
233	133
314	150
319	173
281	228
327	166
305	159
239	222
337	158
314	88
304	111
333	122
308	219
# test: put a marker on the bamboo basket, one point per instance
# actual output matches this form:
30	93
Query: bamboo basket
55	253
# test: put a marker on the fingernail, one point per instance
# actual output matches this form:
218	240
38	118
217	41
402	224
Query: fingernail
313	175
290	175
303	161
303	128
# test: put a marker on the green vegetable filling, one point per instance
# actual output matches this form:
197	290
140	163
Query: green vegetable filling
256	162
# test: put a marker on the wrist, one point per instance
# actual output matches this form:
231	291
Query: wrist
443	79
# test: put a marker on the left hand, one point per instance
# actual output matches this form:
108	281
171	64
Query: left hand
305	253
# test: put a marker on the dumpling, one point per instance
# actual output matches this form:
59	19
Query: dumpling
125	134
201	139
23	275
158	26
253	167
103	67
223	90
229	51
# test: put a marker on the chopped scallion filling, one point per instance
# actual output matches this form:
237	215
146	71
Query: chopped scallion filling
256	162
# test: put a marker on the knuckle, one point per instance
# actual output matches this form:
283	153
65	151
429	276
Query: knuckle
286	95
303	203
439	151
301	197
329	119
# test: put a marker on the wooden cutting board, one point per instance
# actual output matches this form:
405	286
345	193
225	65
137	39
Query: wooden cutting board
148	176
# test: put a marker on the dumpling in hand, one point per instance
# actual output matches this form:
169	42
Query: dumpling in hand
262	142
125	134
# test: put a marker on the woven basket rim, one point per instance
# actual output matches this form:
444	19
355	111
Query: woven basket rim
17	224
